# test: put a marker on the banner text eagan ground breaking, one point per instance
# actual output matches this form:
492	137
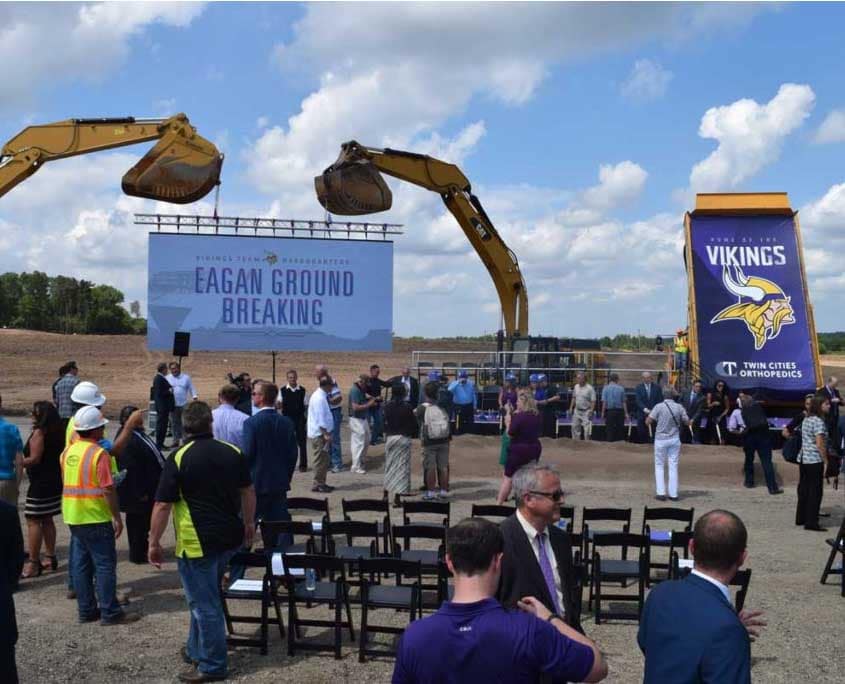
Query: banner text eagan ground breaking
233	292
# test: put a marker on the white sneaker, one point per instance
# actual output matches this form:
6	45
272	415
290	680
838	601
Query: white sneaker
429	496
359	470
444	494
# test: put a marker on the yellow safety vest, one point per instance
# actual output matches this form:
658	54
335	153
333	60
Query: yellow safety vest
82	497
681	344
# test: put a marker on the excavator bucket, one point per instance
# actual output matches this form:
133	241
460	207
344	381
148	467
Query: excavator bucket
174	171
352	189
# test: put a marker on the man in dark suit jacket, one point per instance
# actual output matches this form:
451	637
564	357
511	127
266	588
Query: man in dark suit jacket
694	402
647	394
11	553
271	451
529	567
412	387
832	394
689	631
162	396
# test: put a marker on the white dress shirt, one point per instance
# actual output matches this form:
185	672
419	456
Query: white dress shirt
183	388
532	539
319	414
722	587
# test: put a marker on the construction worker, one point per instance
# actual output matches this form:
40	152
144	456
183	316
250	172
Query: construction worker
90	509
681	350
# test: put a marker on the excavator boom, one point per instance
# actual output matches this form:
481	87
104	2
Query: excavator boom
181	168
353	185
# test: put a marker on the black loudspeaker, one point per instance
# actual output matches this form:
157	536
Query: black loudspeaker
181	343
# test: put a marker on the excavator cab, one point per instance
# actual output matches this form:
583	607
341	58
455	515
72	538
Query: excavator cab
352	185
175	172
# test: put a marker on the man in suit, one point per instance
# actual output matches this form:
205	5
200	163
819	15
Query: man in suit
11	551
271	451
295	407
647	394
162	396
689	631
538	554
829	390
693	403
412	387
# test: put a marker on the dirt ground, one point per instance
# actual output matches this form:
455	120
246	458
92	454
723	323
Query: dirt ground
804	617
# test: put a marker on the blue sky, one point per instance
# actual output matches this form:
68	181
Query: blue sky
531	100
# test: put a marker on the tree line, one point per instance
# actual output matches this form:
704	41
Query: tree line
36	301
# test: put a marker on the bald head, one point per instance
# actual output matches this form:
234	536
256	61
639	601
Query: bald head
647	377
719	541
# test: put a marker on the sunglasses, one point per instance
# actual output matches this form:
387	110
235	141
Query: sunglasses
556	495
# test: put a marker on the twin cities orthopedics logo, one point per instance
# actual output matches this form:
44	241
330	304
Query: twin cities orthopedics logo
758	370
761	304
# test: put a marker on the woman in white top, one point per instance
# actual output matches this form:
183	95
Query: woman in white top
811	462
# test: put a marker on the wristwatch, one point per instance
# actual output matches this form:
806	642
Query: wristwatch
553	616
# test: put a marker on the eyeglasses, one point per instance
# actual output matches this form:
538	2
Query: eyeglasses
556	495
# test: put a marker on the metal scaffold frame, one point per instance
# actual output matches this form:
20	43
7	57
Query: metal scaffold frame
268	227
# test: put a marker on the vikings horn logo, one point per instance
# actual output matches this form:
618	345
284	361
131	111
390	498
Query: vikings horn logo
761	305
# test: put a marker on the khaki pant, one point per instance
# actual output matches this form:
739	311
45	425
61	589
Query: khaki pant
359	440
9	492
319	456
582	419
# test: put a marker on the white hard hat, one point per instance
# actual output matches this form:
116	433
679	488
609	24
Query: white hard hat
87	393
88	418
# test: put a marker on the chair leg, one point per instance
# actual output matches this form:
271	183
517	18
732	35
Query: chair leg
338	612
230	628
830	559
597	597
293	625
349	613
362	634
278	608
265	606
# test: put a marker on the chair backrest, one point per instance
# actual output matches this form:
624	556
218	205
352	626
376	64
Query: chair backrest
492	511
250	559
568	513
409	532
385	565
620	539
684	515
622	515
271	530
741	579
320	563
439	508
368	505
679	540
352	530
304	503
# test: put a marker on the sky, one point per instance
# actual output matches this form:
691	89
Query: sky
585	129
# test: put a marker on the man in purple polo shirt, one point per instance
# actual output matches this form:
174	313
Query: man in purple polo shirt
477	640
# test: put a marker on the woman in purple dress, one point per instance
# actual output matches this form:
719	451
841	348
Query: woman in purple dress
524	427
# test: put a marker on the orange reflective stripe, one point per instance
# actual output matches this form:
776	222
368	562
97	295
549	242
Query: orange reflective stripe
82	493
87	467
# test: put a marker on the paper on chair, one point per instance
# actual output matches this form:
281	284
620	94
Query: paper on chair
661	535
246	585
317	526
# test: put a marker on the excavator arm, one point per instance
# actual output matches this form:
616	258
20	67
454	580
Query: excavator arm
353	185
181	168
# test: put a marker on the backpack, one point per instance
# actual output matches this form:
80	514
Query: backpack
435	424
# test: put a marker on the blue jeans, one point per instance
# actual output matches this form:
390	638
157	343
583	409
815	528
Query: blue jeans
93	552
336	456
376	424
206	643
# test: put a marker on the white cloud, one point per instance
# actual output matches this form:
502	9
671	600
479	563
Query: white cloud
826	213
750	136
65	43
618	184
832	129
648	80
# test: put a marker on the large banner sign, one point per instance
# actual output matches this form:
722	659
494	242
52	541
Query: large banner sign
270	294
752	317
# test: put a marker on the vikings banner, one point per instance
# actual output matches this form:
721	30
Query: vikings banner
752	319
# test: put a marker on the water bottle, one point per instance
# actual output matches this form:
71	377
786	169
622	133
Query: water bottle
310	579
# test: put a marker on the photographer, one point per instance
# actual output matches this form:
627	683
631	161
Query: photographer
244	384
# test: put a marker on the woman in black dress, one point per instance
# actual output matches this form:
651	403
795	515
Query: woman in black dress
143	462
719	406
44	496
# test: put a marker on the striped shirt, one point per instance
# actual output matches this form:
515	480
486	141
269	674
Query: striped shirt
812	426
64	388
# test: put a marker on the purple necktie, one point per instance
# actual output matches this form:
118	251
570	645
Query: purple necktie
548	573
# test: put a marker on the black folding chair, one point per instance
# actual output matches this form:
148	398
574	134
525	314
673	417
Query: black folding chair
601	515
430	559
379	506
659	537
298	505
618	570
375	594
330	588
837	548
492	511
427	508
351	531
567	517
281	535
263	591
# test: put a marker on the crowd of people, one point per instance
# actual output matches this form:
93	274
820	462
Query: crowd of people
231	466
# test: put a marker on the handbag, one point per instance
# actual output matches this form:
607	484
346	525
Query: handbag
792	447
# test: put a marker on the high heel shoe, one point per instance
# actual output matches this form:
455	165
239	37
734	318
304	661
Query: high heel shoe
31	564
52	566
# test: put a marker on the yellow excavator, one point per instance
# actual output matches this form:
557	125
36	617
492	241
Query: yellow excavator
353	185
181	168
